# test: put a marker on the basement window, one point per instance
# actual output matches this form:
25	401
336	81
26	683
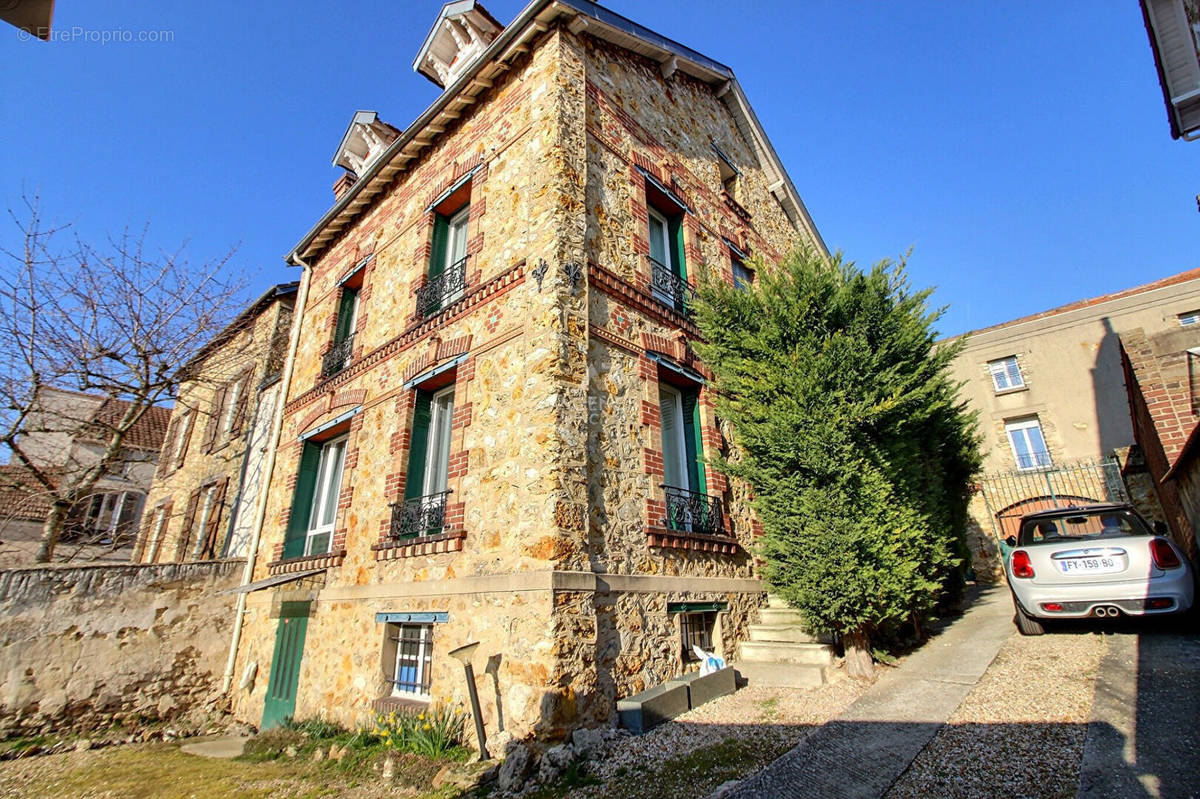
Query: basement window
412	667
697	627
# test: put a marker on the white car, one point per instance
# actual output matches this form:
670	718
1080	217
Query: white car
1094	561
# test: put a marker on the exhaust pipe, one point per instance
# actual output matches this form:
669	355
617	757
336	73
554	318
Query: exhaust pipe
1102	612
1107	612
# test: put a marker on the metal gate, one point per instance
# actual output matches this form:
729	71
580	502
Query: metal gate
1011	495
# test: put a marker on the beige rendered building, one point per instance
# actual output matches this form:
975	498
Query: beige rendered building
1053	409
495	429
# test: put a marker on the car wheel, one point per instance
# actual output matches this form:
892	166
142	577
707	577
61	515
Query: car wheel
1026	623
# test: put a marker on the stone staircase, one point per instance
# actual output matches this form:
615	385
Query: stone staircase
780	654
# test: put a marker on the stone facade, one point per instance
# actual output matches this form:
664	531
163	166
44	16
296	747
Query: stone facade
554	553
205	485
90	647
1071	386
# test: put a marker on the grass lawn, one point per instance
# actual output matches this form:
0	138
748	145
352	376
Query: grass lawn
161	771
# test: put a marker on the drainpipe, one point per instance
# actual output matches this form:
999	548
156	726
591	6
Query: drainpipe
260	512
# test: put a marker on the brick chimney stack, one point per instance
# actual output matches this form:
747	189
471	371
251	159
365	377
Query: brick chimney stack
343	184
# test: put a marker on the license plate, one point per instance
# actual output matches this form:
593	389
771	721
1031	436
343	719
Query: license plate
1089	565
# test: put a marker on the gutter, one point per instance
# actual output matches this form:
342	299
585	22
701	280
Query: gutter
260	513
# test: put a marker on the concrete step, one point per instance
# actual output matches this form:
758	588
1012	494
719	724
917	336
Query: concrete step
781	675
776	617
774	601
786	652
783	632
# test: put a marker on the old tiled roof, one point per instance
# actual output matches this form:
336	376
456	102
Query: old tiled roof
147	433
20	496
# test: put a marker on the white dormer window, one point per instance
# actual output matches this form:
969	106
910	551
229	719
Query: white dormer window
365	140
1190	318
463	30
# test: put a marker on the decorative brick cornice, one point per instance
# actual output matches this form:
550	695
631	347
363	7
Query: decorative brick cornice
450	541
306	562
488	292
695	542
624	291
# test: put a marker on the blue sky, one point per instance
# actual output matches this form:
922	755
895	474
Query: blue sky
1020	149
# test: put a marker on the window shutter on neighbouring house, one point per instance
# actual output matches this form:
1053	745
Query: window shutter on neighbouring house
164	454
306	481
243	403
189	519
692	441
190	423
441	236
213	529
414	482
214	419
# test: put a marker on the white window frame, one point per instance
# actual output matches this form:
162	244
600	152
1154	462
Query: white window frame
159	527
200	529
1000	371
1189	318
680	441
231	400
437	446
424	659
1019	428
185	417
326	489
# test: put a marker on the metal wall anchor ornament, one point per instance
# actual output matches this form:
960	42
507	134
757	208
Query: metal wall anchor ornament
574	273
539	272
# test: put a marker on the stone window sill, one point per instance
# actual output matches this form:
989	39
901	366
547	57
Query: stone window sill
398	704
449	541
305	562
696	542
1014	390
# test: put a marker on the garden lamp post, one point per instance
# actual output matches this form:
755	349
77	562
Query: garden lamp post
464	654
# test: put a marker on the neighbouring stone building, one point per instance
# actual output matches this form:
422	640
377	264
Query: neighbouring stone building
1053	410
1162	377
66	434
202	501
495	428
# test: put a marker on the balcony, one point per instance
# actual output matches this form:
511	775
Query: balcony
442	290
337	357
419	517
693	512
669	288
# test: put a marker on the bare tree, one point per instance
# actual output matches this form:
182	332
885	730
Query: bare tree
117	321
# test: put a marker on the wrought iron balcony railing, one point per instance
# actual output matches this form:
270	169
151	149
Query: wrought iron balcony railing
443	289
337	357
420	516
670	288
693	512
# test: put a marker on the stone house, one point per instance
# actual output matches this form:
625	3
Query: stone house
66	434
495	430
202	500
1053	411
1162	377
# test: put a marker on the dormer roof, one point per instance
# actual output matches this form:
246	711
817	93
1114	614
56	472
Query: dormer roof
366	138
462	32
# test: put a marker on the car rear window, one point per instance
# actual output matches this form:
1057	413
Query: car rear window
1081	526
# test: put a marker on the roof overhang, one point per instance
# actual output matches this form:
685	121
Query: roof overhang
31	16
1174	30
579	16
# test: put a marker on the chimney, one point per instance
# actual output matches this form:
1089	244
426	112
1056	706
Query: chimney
343	184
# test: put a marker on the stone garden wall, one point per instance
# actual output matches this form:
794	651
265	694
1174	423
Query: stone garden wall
95	646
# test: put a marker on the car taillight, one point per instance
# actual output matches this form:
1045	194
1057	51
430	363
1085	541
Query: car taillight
1163	554
1021	567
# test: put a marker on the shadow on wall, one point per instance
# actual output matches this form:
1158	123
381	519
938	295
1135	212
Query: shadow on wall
1113	426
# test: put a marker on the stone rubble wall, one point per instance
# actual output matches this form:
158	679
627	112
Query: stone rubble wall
90	647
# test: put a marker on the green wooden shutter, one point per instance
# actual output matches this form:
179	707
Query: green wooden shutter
441	237
306	483
345	314
414	483
675	224
693	442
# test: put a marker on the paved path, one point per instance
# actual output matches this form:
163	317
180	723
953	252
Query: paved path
1143	738
862	752
224	748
